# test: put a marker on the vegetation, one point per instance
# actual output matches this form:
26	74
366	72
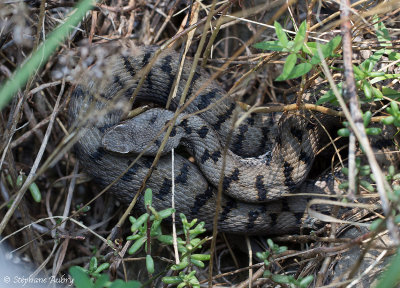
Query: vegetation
43	46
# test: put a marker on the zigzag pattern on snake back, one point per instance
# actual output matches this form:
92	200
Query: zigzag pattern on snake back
103	145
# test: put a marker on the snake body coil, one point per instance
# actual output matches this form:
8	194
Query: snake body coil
252	202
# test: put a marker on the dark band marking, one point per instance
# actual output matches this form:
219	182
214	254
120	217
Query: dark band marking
105	127
230	205
285	204
185	125
252	217
167	69
146	58
238	144
173	132
228	179
204	100
117	81
262	192
307	159
165	189
154	119
278	138
225	116
147	162
274	219
203	131
250	120
201	199
166	65
98	154
130	174
183	174
196	76
265	137
215	156
299	216
297	133
128	66
287	171
310	126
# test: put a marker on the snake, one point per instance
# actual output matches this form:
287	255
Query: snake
268	156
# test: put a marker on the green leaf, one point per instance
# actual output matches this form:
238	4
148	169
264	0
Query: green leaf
288	67
367	118
200	257
121	284
332	45
81	279
139	222
43	52
283	40
101	281
269	46
299	38
102	267
377	93
166	239
184	263
133	237
373	131
283	279
389	92
376	224
388	120
300	70
93	264
270	243
267	274
344	132
172	280
150	264
197	263
326	49
20	180
391	277
367	88
329	97
136	246
148	197
306	281
166	213
358	73
35	192
367	185
382	32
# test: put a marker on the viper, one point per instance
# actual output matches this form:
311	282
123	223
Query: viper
269	155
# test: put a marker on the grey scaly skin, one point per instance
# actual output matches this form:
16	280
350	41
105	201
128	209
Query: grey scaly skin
261	181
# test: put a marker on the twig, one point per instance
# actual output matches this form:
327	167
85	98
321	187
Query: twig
362	138
35	165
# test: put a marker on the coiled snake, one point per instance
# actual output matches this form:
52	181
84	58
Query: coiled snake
252	202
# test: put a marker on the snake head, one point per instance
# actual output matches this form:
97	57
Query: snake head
140	134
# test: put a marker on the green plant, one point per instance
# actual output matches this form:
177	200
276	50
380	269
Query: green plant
288	280
33	188
297	50
147	228
365	75
44	51
82	280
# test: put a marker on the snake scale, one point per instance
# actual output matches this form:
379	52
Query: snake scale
252	201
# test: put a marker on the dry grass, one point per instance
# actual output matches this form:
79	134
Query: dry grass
34	125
